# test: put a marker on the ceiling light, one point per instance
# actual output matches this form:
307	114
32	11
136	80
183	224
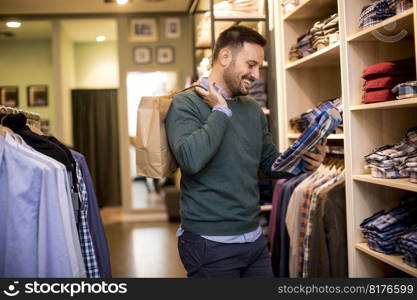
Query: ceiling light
122	2
13	24
100	38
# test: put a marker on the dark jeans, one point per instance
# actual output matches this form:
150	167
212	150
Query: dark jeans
209	259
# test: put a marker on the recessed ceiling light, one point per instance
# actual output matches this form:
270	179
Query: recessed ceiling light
122	2
13	24
100	38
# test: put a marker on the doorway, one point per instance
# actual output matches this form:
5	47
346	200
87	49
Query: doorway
146	192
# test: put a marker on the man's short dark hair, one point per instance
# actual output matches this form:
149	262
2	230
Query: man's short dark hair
235	36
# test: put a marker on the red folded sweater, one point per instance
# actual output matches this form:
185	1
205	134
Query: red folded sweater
389	68
378	96
387	82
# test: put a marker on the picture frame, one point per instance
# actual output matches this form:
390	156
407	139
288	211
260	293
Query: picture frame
9	96
37	95
165	55
142	55
143	30
173	28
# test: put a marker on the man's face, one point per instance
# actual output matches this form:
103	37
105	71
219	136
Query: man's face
243	69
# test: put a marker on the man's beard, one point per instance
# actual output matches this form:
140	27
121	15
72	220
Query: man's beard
233	81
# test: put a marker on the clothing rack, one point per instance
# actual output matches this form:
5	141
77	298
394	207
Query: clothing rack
11	110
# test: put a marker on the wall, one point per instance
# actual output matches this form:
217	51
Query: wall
29	62
96	65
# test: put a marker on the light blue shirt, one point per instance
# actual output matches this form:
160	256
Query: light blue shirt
33	239
248	237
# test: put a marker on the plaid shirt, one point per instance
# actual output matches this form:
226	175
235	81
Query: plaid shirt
303	219
376	12
406	90
291	159
311	221
87	248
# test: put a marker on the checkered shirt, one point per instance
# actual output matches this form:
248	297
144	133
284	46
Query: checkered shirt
311	221
406	90
376	12
87	248
291	159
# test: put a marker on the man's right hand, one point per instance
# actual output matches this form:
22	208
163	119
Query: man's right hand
211	97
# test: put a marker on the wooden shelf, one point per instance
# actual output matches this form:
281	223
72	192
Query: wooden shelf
326	57
294	136
312	9
393	260
400	183
267	207
403	103
402	21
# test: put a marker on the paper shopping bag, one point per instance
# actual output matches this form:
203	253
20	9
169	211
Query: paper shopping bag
153	155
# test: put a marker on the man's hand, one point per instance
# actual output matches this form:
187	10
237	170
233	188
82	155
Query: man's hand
211	97
315	159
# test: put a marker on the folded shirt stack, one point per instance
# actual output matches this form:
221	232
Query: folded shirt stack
304	46
238	9
407	244
301	122
377	12
381	78
405	90
325	32
383	229
327	120
380	10
394	161
289	5
409	167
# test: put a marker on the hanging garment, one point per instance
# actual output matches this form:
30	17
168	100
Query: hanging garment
37	230
95	224
328	240
276	203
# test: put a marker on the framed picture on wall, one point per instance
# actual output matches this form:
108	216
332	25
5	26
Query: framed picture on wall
173	28
37	95
9	96
142	55
165	55
143	30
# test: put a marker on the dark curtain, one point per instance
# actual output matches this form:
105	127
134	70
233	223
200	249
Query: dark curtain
96	136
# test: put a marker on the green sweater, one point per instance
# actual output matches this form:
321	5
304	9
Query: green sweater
219	158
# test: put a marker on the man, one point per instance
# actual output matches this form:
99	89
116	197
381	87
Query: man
221	140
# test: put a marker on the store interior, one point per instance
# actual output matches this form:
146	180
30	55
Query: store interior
80	69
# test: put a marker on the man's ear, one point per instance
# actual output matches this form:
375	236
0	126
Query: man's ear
225	57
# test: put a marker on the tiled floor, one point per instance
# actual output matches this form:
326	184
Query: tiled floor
142	249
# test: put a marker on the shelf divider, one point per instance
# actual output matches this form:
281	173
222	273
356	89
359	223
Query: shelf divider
400	183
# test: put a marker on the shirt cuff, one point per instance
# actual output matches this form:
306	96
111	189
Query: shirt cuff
223	109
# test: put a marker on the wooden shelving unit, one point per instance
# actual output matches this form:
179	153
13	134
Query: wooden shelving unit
337	71
394	260
326	57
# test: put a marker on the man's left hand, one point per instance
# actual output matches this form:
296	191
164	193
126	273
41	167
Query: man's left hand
313	159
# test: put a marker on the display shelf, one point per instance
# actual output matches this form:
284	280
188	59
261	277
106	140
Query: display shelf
294	136
400	183
267	207
312	9
403	103
393	260
326	57
389	28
